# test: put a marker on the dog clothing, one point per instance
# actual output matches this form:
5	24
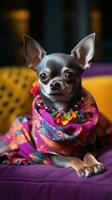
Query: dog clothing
35	139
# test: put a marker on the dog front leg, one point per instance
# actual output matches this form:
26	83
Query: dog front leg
82	169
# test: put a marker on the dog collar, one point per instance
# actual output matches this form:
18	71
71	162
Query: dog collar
64	116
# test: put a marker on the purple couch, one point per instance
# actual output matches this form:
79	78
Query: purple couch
52	183
40	182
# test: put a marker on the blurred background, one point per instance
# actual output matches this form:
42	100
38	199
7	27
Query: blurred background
58	25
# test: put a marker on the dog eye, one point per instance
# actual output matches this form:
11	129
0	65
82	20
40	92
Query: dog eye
68	75
44	76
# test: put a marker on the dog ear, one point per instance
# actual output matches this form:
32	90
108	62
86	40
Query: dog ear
84	51
33	52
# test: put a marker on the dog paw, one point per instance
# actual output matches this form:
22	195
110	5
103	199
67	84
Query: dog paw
95	166
85	172
91	171
98	168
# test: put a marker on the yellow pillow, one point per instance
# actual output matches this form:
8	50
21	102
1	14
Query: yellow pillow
101	88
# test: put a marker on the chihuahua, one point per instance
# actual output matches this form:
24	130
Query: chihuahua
60	88
70	126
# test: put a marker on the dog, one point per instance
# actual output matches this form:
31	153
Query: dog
66	126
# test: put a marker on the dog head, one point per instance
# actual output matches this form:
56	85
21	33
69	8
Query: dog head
59	74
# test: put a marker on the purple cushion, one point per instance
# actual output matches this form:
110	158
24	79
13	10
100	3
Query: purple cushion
49	182
98	69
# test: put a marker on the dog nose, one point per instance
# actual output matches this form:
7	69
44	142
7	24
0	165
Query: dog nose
55	86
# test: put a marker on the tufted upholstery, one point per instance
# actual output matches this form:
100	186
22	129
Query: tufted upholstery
15	97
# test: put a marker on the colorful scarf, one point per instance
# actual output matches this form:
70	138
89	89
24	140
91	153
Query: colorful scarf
36	138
